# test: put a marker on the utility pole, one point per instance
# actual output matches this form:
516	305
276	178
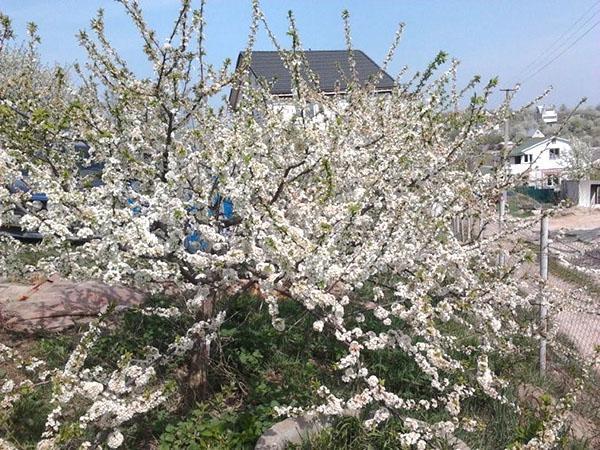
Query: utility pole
544	277
502	203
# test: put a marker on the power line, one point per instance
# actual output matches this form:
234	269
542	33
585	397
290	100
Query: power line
562	52
566	40
566	35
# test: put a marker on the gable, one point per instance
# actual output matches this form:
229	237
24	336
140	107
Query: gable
331	67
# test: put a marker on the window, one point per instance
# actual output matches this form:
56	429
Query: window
527	159
552	180
595	194
554	153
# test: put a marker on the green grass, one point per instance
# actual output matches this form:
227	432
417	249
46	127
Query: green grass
503	425
521	205
129	333
255	368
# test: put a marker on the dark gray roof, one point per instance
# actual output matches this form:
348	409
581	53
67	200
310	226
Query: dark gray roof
532	142
516	151
331	67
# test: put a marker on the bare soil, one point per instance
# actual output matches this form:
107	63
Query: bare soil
577	219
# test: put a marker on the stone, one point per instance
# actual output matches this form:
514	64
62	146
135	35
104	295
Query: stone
533	397
54	304
583	429
579	427
291	431
295	430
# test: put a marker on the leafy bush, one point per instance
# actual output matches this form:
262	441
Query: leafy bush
135	331
255	369
28	417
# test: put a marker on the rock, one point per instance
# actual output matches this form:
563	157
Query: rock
533	397
579	427
298	429
291	431
583	429
55	304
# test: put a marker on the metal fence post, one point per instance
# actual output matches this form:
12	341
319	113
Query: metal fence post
544	277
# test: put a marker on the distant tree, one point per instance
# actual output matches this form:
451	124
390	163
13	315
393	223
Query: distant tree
584	124
581	160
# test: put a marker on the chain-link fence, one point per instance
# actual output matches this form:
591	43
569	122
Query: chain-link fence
574	267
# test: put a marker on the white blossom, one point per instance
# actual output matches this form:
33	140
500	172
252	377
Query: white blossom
115	439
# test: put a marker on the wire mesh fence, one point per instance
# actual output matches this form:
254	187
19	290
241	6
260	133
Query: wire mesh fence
574	269
582	328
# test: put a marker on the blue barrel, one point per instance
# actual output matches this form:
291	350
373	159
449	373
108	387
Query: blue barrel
227	207
193	243
135	208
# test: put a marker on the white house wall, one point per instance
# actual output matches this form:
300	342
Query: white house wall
313	111
542	165
584	193
287	110
585	189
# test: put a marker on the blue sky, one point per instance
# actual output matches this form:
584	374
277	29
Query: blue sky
489	37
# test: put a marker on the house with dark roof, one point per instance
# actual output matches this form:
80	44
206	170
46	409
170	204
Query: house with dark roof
544	159
331	67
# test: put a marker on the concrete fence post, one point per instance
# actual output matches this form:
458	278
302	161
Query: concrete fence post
501	217
544	278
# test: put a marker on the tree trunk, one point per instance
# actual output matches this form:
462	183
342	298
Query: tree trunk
197	373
